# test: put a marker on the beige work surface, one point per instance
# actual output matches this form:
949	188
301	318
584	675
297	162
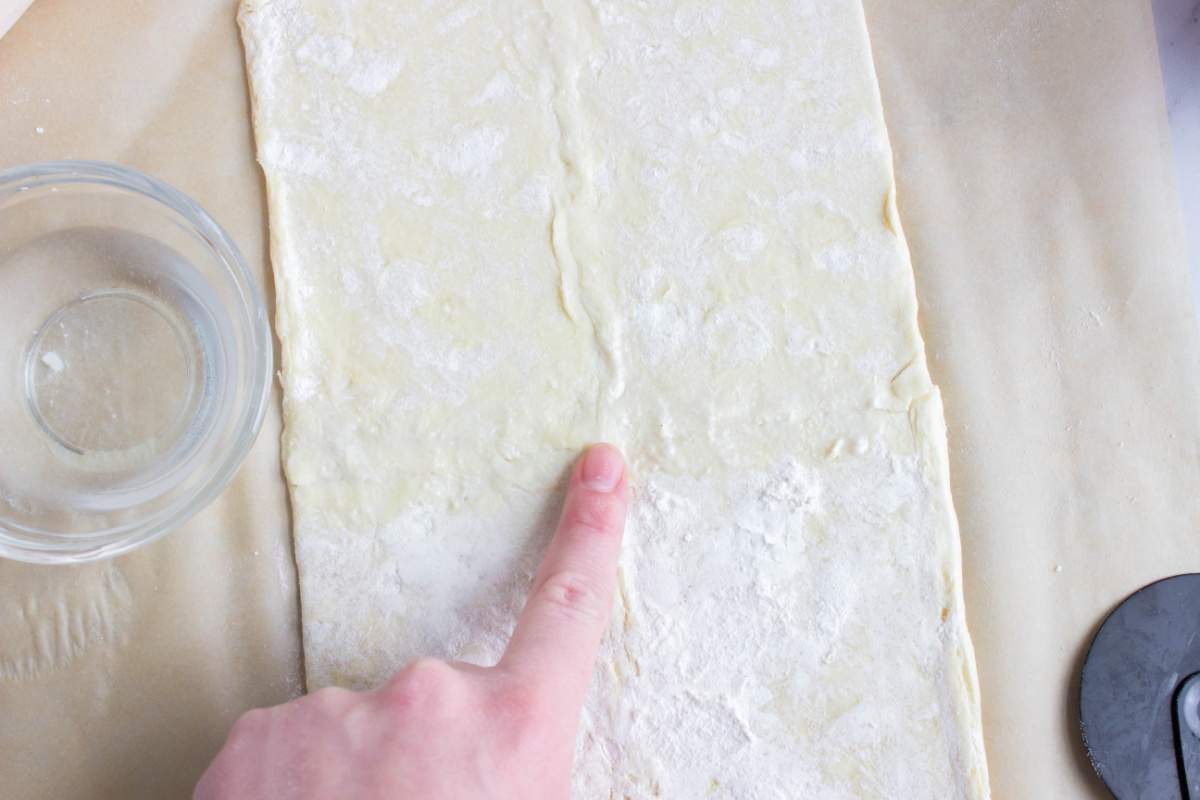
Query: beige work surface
1036	192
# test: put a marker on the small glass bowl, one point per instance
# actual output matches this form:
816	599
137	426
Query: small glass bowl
135	360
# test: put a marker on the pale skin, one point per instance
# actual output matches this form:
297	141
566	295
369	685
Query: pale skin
447	731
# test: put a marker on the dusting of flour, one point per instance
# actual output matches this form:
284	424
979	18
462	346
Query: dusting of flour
502	230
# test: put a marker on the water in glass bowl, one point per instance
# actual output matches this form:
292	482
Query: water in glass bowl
119	370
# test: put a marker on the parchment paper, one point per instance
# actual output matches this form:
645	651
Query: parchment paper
1036	186
1037	196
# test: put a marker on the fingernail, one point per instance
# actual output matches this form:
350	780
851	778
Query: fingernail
602	468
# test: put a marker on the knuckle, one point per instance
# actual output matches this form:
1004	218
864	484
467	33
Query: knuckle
329	699
573	596
596	516
423	682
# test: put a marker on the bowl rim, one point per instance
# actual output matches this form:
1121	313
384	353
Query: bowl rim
51	547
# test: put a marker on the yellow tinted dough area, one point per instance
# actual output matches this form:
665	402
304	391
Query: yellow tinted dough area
503	230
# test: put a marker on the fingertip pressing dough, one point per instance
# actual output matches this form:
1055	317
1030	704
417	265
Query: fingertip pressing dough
503	230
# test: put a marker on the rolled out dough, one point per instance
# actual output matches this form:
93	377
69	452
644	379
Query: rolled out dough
502	230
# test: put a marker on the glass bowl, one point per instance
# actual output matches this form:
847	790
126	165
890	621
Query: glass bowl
135	360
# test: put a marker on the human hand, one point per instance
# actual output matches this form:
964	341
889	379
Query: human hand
441	731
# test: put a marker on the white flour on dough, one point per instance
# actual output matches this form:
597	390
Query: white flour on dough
502	230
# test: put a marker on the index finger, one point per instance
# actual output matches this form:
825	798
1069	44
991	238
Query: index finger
559	631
